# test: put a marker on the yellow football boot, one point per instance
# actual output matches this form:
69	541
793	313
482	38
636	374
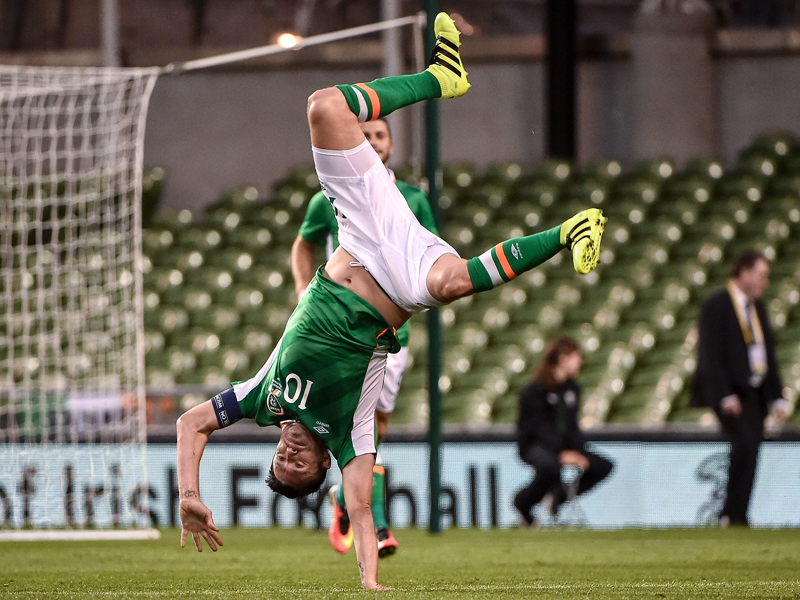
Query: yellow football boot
582	235
445	63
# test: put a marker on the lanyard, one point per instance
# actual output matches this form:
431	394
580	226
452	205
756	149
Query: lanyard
752	334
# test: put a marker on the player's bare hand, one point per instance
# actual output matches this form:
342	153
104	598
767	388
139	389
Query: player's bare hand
781	414
573	458
731	405
196	519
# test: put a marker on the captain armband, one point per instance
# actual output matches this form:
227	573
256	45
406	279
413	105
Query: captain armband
226	407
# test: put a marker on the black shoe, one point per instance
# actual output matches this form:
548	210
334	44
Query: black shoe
387	545
524	515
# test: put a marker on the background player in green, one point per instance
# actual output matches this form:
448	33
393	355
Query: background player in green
320	230
322	381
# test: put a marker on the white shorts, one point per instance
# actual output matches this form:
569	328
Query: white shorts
395	365
377	227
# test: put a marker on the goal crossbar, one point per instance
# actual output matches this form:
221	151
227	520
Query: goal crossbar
223	59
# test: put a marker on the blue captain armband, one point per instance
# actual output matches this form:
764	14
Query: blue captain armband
226	407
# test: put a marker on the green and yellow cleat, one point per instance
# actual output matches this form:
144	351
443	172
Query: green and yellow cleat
582	235
445	63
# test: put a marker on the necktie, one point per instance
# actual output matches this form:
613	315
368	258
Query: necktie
748	307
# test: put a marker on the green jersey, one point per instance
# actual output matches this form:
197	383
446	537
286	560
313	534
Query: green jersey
320	228
326	372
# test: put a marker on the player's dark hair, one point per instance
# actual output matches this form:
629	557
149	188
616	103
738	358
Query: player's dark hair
747	261
553	351
291	492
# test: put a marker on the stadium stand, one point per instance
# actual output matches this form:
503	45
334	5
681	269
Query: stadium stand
217	291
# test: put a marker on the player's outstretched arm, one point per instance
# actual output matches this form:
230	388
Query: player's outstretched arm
303	255
357	482
194	427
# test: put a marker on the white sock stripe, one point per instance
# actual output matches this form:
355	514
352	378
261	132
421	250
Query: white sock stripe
363	112
488	263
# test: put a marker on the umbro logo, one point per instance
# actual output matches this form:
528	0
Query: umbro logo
516	251
321	430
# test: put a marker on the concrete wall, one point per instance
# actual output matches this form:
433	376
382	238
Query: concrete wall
216	130
757	94
605	111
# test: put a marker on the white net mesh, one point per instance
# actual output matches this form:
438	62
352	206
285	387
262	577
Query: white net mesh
72	426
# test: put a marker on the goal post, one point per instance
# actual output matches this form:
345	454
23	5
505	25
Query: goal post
72	406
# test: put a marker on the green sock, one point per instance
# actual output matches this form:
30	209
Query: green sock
378	509
376	99
512	258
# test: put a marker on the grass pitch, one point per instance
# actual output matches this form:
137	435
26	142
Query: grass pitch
543	564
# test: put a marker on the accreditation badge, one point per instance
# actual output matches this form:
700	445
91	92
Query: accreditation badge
757	356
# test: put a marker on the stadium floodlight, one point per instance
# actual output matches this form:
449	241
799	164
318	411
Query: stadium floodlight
288	40
72	407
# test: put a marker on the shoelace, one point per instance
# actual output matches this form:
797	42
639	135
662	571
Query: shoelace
439	50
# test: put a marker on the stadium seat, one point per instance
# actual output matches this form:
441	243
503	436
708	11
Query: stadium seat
503	174
758	165
552	169
709	169
657	169
174	220
607	170
778	144
459	176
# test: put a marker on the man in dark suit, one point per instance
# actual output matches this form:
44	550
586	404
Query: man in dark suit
548	433
737	374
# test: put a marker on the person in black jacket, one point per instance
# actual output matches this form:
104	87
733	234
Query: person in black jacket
737	374
548	432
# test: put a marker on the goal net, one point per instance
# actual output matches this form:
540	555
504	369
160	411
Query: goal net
72	411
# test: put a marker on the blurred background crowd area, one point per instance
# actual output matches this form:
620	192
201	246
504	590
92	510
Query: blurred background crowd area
218	287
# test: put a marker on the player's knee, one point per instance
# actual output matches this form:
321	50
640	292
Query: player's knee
447	287
449	280
325	104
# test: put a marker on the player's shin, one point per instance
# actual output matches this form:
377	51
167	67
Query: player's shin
507	260
376	99
445	77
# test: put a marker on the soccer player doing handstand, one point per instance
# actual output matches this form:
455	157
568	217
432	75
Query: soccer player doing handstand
323	379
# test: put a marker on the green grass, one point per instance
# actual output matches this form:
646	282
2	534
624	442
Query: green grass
543	564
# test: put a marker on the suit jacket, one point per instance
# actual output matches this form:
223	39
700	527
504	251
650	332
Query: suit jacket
723	367
549	417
